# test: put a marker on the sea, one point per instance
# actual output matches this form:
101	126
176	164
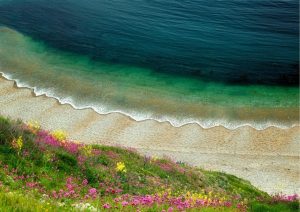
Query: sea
227	63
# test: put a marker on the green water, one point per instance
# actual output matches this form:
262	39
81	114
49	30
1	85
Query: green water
142	93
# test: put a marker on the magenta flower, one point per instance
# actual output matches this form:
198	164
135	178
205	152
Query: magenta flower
124	203
93	192
170	209
54	194
31	184
71	147
106	206
81	159
135	202
96	152
85	182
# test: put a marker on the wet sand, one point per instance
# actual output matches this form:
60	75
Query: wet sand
268	158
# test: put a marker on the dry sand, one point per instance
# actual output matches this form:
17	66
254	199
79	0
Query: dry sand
269	158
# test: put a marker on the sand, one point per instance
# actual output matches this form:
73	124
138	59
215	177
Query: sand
268	158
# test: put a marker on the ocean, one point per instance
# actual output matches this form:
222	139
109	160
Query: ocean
216	63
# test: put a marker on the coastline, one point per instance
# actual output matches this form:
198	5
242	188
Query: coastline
268	158
204	124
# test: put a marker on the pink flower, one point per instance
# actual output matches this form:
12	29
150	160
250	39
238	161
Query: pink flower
118	199
66	194
135	202
71	147
170	209
180	207
54	194
227	204
31	184
96	151
112	154
81	159
85	182
25	153
106	206
93	192
124	203
118	190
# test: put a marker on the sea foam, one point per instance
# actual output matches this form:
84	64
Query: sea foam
140	116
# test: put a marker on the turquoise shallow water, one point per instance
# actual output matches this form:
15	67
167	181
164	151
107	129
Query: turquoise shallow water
142	93
225	62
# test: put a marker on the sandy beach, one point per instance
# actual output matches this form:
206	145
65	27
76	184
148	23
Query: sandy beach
268	158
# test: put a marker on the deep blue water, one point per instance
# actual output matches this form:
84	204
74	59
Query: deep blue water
232	41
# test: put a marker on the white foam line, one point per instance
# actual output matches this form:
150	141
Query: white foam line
205	123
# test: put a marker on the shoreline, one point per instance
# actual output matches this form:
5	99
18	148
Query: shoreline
230	125
268	158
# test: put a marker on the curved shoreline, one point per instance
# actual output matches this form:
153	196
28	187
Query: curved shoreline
142	117
268	158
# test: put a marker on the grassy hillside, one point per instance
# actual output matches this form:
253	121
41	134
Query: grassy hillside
44	171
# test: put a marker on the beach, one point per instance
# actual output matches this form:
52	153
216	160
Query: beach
268	158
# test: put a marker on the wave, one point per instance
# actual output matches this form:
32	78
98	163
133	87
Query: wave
138	116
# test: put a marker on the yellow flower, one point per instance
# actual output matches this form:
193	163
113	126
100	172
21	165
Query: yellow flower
87	150
188	194
153	159
33	125
121	167
18	144
59	135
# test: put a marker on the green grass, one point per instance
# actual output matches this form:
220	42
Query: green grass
18	202
277	207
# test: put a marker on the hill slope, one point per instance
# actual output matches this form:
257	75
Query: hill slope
41	170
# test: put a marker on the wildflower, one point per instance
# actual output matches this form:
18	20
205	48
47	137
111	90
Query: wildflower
59	135
84	207
106	206
112	154
18	144
45	196
31	184
81	159
170	209
124	203
87	150
153	159
96	152
93	192
33	126
54	194
71	147
121	167
25	153
85	182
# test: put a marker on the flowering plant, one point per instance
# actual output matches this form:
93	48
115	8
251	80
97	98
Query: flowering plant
17	144
121	167
59	135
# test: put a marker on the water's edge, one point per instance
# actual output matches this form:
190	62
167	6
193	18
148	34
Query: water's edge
205	124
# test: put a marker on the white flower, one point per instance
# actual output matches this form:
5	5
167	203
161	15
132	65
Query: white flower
84	206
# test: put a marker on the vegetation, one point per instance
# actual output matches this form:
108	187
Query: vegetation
43	171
